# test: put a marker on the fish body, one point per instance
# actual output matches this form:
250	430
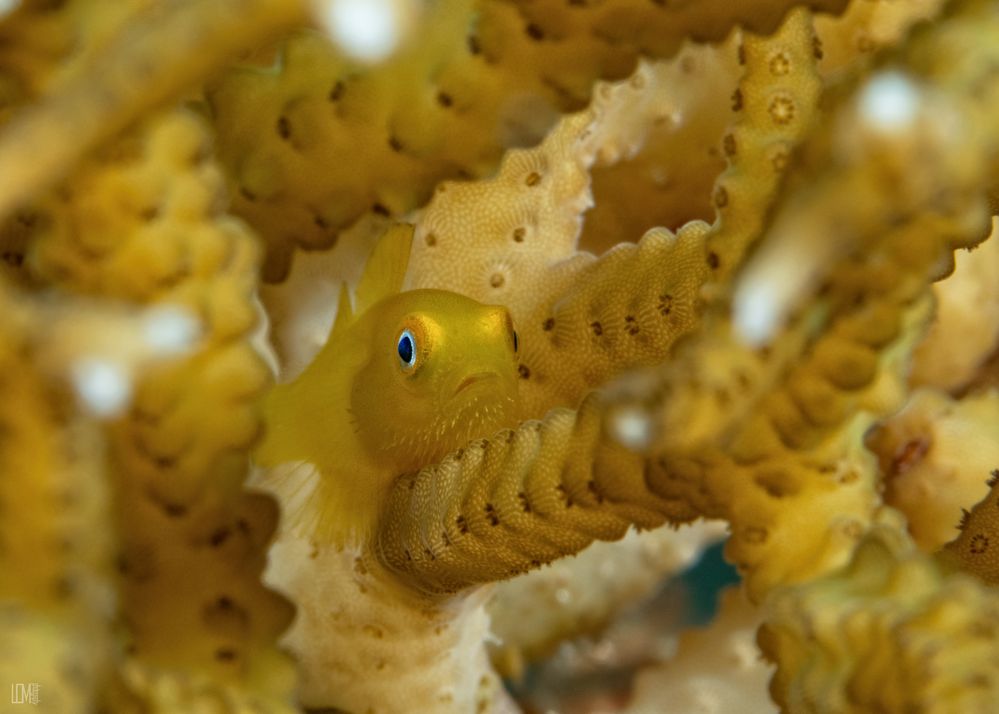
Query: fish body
409	378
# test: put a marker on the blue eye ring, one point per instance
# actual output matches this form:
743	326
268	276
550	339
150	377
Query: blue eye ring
406	349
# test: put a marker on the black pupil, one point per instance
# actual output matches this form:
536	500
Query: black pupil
406	349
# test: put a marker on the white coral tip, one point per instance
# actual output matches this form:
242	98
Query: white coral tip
367	30
889	101
170	330
103	386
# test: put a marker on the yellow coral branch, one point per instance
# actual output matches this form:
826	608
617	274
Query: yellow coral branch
313	143
162	52
146	223
889	632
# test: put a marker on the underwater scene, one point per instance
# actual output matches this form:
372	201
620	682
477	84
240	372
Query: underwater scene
499	356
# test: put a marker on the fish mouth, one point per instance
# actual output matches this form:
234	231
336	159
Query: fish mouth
473	379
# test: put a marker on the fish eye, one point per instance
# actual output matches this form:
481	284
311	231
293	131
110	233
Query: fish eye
406	348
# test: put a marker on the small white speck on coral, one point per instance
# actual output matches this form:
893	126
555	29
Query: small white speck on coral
103	386
769	287
632	428
889	101
170	330
758	312
367	30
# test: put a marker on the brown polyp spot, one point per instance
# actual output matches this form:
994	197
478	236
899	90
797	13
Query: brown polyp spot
445	99
219	536
779	160
409	556
336	92
721	196
564	495
247	194
359	567
525	506
491	515
665	305
473	45
631	325
597	328
548	324
174	510
459	454
395	144
63	587
713	260
150	213
908	455
430	556
12	258
462	525
533	178
380	209
849	476
430	239
728	145
591	485
225	654
781	109
284	128
979	544
380	665
523	371
534	32
741	54
852	529
320	222
754	535
519	234
817	47
780	65
775	484
445	538
496	280
737	100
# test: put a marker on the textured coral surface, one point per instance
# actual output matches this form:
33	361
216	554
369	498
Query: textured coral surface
733	276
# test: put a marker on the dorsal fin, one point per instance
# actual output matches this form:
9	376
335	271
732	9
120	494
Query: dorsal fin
386	268
344	313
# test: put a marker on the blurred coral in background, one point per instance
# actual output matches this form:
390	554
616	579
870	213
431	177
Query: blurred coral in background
745	246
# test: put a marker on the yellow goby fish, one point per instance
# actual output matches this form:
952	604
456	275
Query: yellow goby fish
403	379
